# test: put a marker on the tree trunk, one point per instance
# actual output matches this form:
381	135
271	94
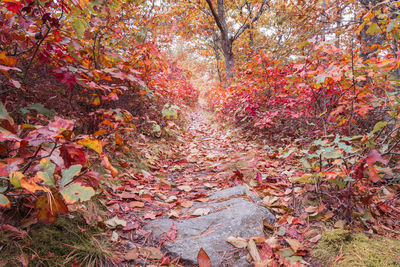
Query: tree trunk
229	59
227	40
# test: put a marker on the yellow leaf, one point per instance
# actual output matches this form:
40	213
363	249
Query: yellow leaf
31	186
15	178
93	144
83	3
96	101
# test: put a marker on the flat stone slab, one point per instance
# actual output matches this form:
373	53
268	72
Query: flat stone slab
233	217
236	191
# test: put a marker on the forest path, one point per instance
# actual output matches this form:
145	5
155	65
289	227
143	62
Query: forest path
205	157
212	152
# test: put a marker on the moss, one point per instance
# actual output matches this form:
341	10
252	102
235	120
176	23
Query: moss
347	249
57	244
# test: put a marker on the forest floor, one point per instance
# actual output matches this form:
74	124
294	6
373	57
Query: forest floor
210	155
168	177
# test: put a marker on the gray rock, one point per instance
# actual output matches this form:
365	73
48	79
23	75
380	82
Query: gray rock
233	217
236	191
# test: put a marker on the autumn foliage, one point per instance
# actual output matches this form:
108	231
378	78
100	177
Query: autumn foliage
316	81
84	61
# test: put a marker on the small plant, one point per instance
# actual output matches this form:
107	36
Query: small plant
44	164
348	171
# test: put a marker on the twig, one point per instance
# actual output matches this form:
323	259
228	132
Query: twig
82	173
33	158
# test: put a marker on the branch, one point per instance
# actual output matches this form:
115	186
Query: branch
245	25
215	15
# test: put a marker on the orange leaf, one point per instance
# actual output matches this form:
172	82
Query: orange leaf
106	163
31	186
49	207
9	61
373	174
202	259
118	140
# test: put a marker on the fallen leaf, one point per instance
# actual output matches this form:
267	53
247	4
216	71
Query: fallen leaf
273	242
311	209
106	163
268	226
93	144
294	244
114	236
185	188
270	200
132	254
202	259
136	204
150	216
237	242
187	204
252	248
201	212
49	207
115	222
172	233
339	224
204	199
316	238
151	252
127	195
77	192
171	199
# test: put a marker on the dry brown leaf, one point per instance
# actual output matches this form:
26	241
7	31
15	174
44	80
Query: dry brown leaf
201	212
339	224
264	263
132	254
268	226
237	242
171	199
294	244
185	188
151	252
252	248
273	242
203	199
187	204
311	209
316	238
136	204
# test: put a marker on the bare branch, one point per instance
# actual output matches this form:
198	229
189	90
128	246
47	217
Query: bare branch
215	15
245	25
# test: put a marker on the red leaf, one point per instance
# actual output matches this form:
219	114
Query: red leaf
72	155
10	166
202	259
374	156
359	170
172	233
